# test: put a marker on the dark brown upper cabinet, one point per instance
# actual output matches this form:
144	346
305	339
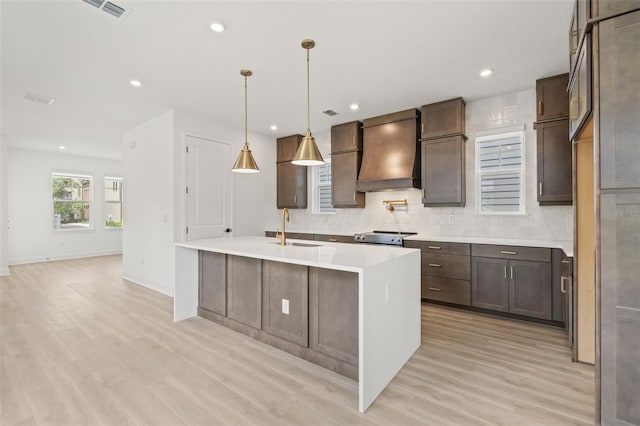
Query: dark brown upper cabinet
344	173
443	172
552	99
580	91
390	152
291	180
444	118
346	137
554	163
346	159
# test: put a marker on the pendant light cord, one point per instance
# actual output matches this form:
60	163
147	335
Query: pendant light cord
246	144
308	96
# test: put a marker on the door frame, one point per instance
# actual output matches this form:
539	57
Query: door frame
184	179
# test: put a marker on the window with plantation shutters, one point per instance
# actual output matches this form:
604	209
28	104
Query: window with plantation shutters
500	173
323	189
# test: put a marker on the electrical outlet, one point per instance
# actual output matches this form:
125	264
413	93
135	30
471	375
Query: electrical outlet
285	306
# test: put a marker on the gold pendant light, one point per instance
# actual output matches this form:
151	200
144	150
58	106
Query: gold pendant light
308	153
245	162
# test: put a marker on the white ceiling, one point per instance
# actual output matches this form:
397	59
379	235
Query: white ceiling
386	56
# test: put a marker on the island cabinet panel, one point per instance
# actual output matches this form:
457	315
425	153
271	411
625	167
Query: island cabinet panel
333	310
489	284
446	290
554	163
443	172
552	98
443	118
530	289
212	282
285	298
244	290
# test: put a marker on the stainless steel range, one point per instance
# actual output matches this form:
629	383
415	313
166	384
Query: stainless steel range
382	237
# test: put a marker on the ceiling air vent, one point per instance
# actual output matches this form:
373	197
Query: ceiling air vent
96	3
113	9
329	112
38	98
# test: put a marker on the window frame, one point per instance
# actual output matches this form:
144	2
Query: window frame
315	182
497	134
116	177
90	202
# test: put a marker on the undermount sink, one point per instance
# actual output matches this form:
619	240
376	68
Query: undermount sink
291	243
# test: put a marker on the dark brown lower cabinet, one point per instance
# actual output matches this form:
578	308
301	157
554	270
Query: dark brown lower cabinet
516	286
285	309
446	290
213	282
530	288
490	283
244	290
333	322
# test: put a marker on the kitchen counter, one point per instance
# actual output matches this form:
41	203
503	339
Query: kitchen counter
389	306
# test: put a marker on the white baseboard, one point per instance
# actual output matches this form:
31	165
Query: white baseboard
4	272
37	259
167	291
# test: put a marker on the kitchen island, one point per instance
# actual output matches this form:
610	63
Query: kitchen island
295	285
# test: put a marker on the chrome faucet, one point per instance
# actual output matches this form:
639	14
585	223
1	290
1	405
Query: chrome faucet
281	236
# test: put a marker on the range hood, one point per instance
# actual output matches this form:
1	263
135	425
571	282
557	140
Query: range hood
390	152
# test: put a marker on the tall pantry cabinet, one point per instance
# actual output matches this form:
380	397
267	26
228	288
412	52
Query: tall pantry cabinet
615	38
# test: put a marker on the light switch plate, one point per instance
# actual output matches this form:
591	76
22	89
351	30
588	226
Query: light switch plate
285	306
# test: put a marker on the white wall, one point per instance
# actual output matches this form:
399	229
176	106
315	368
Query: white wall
30	208
4	226
554	223
154	175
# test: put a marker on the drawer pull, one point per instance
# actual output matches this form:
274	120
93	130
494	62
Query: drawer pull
434	247
434	289
566	261
333	240
508	252
435	265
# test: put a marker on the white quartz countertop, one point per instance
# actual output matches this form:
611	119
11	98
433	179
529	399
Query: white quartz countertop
344	257
566	246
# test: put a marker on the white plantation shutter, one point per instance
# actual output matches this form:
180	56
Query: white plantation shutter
324	188
499	168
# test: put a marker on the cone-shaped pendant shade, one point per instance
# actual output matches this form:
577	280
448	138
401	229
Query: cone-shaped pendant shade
245	162
308	153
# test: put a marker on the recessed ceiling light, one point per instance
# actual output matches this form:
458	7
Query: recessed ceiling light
135	83
354	107
273	127
61	147
486	73
218	27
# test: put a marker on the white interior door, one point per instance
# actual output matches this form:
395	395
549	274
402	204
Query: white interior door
208	191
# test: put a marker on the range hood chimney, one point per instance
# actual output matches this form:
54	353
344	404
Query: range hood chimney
390	152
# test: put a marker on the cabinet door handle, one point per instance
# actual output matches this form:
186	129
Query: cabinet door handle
505	272
572	49
563	284
295	199
354	195
539	107
333	240
434	289
540	188
435	265
424	191
435	247
422	129
511	272
353	140
574	112
508	252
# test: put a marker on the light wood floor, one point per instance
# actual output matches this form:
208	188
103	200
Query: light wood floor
79	345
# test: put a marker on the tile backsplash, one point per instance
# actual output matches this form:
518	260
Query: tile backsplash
551	223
